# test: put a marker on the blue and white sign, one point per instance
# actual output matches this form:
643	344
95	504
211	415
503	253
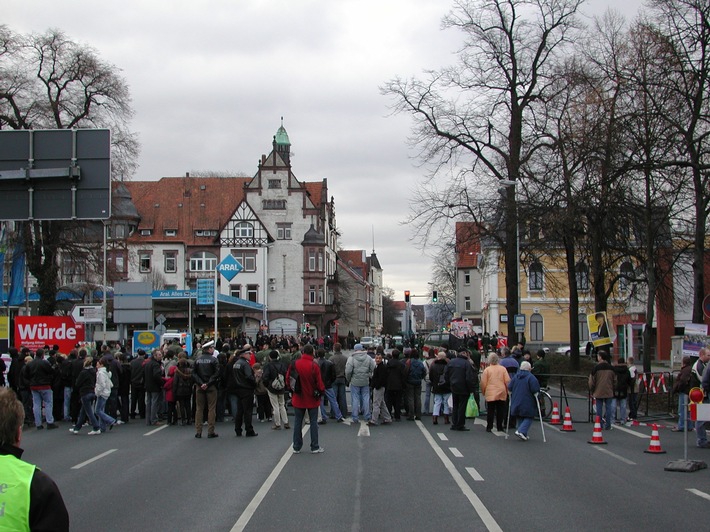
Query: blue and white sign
229	267
205	291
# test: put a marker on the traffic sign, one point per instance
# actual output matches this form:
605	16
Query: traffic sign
229	267
87	313
519	323
205	291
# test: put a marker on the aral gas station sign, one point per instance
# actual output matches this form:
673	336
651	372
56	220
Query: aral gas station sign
35	332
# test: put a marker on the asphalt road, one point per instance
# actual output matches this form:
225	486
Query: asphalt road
408	475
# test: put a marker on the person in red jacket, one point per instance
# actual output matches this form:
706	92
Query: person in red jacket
307	372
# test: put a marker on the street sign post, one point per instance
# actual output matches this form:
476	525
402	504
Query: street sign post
87	313
519	323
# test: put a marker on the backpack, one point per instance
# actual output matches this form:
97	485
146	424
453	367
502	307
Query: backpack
279	383
415	371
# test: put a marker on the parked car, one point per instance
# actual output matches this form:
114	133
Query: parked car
368	341
566	350
433	341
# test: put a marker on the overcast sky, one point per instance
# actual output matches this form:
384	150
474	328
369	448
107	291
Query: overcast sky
210	81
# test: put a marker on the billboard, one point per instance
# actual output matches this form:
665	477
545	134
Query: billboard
599	329
35	332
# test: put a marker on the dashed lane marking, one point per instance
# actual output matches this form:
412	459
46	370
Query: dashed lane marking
488	520
364	429
455	452
150	432
625	460
99	457
474	474
699	493
442	436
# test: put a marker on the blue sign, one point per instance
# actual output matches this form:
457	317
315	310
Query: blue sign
147	340
205	292
229	267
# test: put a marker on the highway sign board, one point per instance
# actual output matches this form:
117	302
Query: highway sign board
87	313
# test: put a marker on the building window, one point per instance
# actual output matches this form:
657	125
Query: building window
274	183
120	231
583	328
535	277
467	277
205	232
467	304
311	260
283	231
203	261
245	257
171	232
243	230
144	265
146	232
253	293
273	204
312	294
73	269
581	274
235	290
170	262
120	264
320	260
320	295
536	328
626	273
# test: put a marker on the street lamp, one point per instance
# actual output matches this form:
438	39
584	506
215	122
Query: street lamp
511	183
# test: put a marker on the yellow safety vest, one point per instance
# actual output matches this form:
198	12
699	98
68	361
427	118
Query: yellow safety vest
15	479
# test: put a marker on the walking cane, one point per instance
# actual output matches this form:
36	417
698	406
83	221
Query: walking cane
539	411
507	421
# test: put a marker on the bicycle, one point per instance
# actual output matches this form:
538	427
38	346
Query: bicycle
545	401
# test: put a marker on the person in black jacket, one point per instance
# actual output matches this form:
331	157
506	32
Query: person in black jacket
153	387
206	375
245	384
462	381
327	371
272	371
32	487
379	389
138	385
396	377
124	388
41	374
86	384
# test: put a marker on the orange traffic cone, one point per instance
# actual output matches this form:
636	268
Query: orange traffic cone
567	425
597	437
655	446
555	420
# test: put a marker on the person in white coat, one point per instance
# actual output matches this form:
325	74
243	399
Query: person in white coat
103	391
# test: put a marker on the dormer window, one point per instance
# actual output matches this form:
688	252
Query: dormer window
171	232
205	232
146	232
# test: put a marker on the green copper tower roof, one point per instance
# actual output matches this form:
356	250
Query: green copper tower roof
282	136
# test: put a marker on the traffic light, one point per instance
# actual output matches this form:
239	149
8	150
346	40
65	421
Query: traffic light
435	296
406	296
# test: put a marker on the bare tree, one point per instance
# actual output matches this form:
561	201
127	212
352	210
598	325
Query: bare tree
50	81
478	116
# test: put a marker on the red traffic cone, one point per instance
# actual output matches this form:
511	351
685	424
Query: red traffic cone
655	446
567	425
555	420
597	437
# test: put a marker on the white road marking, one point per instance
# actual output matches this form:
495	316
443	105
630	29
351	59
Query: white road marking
632	432
155	430
475	501
699	493
364	429
79	466
442	436
474	474
625	460
455	452
251	508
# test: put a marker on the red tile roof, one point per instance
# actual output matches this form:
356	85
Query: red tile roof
468	244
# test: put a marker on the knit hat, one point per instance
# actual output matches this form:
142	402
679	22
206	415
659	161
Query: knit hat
358	347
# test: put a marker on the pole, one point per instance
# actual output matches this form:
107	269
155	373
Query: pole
216	293
539	412
103	286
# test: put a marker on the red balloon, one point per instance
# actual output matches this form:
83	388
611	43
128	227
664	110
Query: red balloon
696	395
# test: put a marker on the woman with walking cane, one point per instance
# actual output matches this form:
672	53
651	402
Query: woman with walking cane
524	389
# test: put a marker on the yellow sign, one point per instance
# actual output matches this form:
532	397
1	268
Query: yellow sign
599	329
4	328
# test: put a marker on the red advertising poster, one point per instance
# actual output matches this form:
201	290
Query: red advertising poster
34	332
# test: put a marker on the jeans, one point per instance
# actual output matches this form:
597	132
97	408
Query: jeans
379	407
278	406
360	395
87	410
67	403
208	396
427	398
414	400
604	410
104	419
330	394
39	397
340	395
622	403
683	411
152	404
524	424
298	426
439	400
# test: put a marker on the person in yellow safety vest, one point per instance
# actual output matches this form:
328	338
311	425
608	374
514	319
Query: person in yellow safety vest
29	499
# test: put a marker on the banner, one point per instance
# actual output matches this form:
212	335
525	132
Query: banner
599	329
16	296
35	332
